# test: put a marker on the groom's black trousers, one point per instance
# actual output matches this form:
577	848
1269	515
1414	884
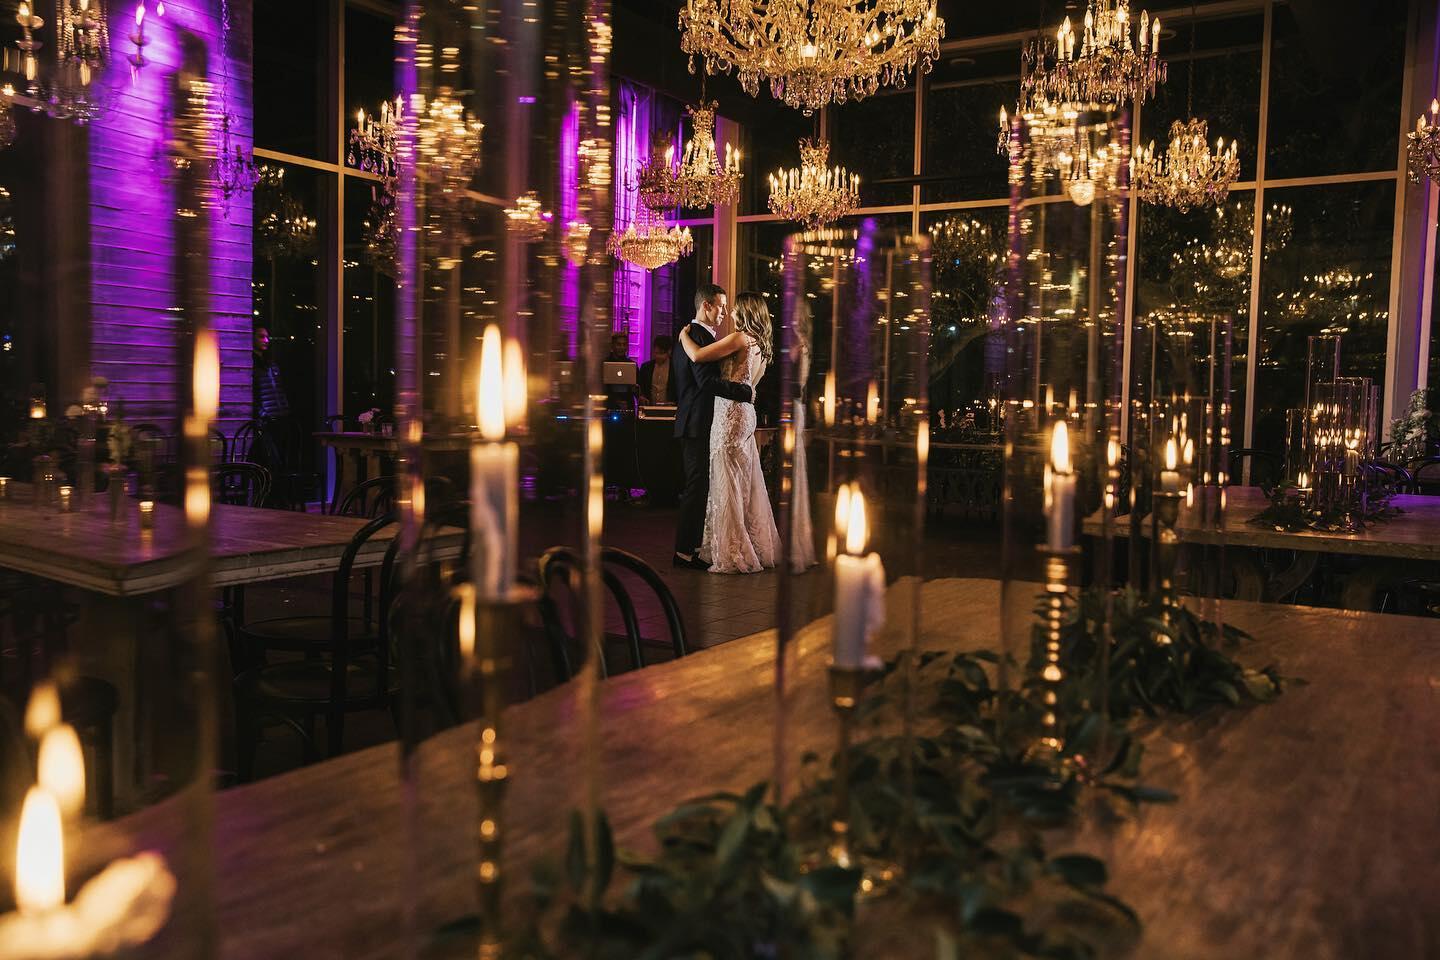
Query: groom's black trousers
690	529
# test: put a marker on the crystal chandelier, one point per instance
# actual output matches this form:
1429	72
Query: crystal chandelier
814	193
7	124
701	179
526	220
1422	149
1115	63
447	149
373	139
648	243
1186	175
82	48
282	227
233	169
813	52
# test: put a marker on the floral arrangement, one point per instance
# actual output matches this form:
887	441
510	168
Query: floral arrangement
1416	433
368	417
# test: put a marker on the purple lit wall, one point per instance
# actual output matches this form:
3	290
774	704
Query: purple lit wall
131	211
569	211
632	284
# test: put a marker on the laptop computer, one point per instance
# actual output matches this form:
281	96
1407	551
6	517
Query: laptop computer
618	373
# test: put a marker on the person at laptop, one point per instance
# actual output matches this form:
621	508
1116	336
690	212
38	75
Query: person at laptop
619	395
654	378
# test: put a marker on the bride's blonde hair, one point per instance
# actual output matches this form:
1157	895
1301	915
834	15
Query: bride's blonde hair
752	317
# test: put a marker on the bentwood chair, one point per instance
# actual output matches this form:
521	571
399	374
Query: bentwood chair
1266	468
369	498
1425	476
335	667
240	484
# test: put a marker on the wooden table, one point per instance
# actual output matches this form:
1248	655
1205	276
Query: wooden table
366	451
1394	546
1305	829
248	545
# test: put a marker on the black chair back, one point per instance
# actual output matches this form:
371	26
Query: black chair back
1425	476
1388	478
340	653
242	445
1266	468
367	499
219	446
240	484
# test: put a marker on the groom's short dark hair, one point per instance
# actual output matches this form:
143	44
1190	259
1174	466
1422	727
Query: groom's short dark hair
707	293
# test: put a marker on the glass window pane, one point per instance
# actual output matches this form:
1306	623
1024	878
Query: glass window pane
963	97
288	291
291	79
1335	93
968	254
1226	90
369	307
771	138
677	284
758	248
1199	262
1333	276
876	139
369	61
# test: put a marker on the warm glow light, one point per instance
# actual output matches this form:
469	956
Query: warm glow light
491	396
1171	454
514	384
922	444
872	403
1060	448
197	502
856	531
140	15
207	376
1189	451
842	509
1303	483
60	769
42	711
39	854
829	399
467	619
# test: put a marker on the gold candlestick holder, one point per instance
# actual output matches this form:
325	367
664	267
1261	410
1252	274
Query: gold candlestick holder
1049	746
485	666
1167	556
847	685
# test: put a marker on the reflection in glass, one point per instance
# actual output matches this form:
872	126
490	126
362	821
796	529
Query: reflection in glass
369	311
963	95
1333	277
968	250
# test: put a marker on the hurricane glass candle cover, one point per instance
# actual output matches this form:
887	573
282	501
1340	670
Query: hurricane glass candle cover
495	469
859	588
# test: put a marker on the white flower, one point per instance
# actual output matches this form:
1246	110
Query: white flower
367	416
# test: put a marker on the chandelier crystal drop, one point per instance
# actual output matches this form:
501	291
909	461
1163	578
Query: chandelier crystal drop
1422	148
1116	63
1187	174
649	243
814	193
701	179
527	220
813	53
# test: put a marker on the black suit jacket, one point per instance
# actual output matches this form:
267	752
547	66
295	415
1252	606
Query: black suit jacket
696	385
645	379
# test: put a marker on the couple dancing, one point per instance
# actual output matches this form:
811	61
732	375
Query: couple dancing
725	523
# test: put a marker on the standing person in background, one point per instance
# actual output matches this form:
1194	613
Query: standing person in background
654	378
270	400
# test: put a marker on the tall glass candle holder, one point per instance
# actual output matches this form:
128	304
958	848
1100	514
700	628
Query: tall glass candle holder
1062	390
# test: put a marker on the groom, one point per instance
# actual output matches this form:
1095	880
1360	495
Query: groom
696	385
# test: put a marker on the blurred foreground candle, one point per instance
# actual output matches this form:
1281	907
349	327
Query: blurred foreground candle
1060	491
1170	477
859	587
67	497
495	473
60	769
147	514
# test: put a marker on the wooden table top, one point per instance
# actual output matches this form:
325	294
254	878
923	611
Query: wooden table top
1305	828
248	545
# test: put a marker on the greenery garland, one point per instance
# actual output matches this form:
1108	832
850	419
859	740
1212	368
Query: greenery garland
1286	514
736	876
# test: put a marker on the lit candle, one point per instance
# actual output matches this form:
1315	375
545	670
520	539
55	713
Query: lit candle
4	488
494	475
60	769
40	855
1170	477
1060	491
207	377
37	408
67	494
42	710
859	589
147	514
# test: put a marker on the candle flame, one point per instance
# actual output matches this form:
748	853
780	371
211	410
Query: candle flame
514	384
1304	480
39	854
467	619
207	376
42	711
140	15
829	398
872	403
1171	454
197	500
60	769
1060	448
856	531
842	509
491	406
922	444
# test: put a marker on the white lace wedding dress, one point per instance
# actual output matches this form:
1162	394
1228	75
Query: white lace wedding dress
740	532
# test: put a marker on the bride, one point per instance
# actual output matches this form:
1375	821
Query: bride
740	533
